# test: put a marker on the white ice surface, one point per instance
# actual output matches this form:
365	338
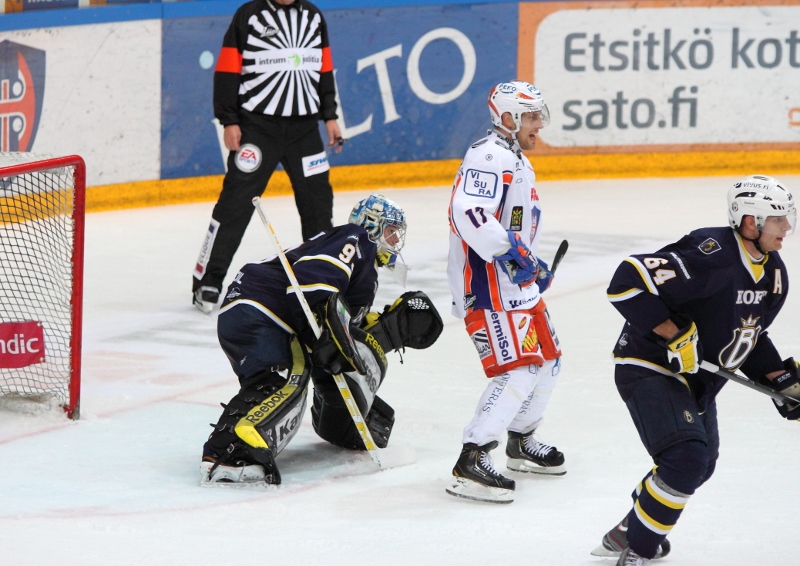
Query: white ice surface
119	487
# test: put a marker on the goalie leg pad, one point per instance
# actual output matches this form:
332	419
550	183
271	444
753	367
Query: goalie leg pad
332	421
411	321
227	459
275	419
261	419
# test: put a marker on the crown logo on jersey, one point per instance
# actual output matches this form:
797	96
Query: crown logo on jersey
750	322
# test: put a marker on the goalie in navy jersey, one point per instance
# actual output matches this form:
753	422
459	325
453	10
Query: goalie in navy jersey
274	352
711	295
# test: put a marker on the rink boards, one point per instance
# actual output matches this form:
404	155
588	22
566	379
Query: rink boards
634	89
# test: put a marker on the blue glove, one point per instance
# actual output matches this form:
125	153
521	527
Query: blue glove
518	262
544	277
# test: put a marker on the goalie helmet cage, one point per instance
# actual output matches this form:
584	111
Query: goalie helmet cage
42	209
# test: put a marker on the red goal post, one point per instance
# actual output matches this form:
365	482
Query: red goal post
42	209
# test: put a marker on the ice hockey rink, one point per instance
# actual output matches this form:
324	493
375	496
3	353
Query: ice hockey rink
120	486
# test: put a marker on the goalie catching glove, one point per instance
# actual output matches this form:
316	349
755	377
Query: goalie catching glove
411	321
518	262
684	351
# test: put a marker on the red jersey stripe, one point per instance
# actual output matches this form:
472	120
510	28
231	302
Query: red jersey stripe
327	60
230	61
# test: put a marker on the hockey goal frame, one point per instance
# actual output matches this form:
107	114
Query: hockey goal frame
42	163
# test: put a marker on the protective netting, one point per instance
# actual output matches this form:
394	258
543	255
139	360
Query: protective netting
37	283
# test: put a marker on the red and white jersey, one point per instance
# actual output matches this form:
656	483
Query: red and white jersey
493	193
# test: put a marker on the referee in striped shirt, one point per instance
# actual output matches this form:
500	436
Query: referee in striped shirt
273	82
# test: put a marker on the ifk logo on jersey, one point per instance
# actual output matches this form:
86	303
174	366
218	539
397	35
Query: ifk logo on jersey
22	72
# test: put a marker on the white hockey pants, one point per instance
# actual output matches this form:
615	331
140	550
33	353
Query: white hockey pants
513	401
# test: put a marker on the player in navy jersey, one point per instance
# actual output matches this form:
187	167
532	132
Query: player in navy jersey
266	336
711	295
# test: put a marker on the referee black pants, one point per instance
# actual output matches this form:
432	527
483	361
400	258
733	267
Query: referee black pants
280	140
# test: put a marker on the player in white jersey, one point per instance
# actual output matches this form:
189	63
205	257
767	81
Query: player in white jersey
496	281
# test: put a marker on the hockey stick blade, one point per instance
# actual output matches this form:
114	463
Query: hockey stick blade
397	455
708	366
560	253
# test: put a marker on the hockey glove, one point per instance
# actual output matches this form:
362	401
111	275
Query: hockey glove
411	321
544	277
518	262
787	384
684	351
334	350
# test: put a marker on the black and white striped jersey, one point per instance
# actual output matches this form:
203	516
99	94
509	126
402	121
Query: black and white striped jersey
275	60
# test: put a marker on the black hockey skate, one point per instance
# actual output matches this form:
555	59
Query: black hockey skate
616	540
527	454
474	476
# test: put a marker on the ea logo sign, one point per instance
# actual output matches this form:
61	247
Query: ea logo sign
248	158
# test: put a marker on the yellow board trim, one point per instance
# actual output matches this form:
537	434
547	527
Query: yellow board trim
437	173
36	206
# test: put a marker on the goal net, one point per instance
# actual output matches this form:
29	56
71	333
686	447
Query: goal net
41	279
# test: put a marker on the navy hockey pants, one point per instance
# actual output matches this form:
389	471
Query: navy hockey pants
252	342
682	440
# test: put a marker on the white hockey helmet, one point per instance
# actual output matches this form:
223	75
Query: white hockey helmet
760	196
374	214
516	98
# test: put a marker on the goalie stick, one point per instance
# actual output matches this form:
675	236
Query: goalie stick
560	253
341	383
708	366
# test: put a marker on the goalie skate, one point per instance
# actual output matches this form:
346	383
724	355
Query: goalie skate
214	474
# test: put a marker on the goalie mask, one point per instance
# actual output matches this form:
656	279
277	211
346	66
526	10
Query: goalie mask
516	98
384	222
760	196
